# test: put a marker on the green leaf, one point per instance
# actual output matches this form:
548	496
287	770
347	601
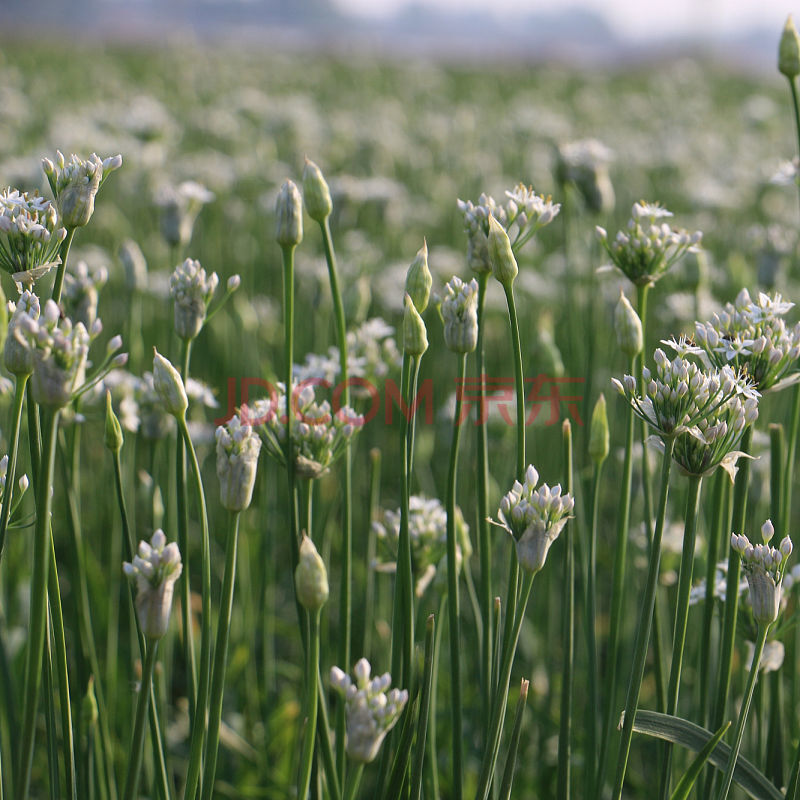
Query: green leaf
693	737
687	781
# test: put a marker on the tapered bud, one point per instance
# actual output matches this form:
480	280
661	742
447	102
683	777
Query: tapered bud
415	336
289	216
628	328
311	577
113	432
316	194
504	265
789	50
598	432
419	279
169	386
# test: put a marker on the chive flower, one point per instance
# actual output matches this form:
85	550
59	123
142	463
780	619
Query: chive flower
460	315
192	290
237	460
180	207
370	711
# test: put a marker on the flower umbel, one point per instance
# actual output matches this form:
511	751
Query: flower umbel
237	460
648	248
156	567
370	710
192	290
534	517
764	568
460	315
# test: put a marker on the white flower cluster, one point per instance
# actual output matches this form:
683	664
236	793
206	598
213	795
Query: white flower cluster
706	411
155	568
319	437
427	532
764	567
522	215
17	354
75	184
192	290
181	204
370	711
237	459
534	517
752	336
371	354
460	315
30	235
81	292
648	248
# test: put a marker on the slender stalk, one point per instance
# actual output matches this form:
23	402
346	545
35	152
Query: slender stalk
482	470
501	696
681	616
568	639
50	721
593	706
424	710
345	602
137	742
454	604
62	267
182	498
221	657
513	746
353	780
743	712
645	624
324	741
200	727
617	595
13	443
732	586
307	757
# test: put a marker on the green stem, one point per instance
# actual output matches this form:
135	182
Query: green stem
424	710
307	757
200	727
732	586
645	624
454	605
617	596
501	696
50	721
62	267
484	544
513	745
137	742
38	614
353	780
221	657
568	640
743	712
182	497
345	601
681	615
11	474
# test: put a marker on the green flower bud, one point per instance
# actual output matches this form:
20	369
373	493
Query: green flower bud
169	386
789	50
419	279
311	577
76	199
628	327
113	433
316	194
415	336
504	265
89	705
598	432
289	215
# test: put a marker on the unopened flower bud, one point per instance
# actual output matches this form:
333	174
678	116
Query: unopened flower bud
237	460
289	215
789	50
460	315
415	336
767	531
316	194
311	577
419	279
113	431
628	328
504	265
89	711
133	264
598	432
765	596
169	386
234	282
76	199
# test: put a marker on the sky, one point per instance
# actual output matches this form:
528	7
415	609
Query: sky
636	19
